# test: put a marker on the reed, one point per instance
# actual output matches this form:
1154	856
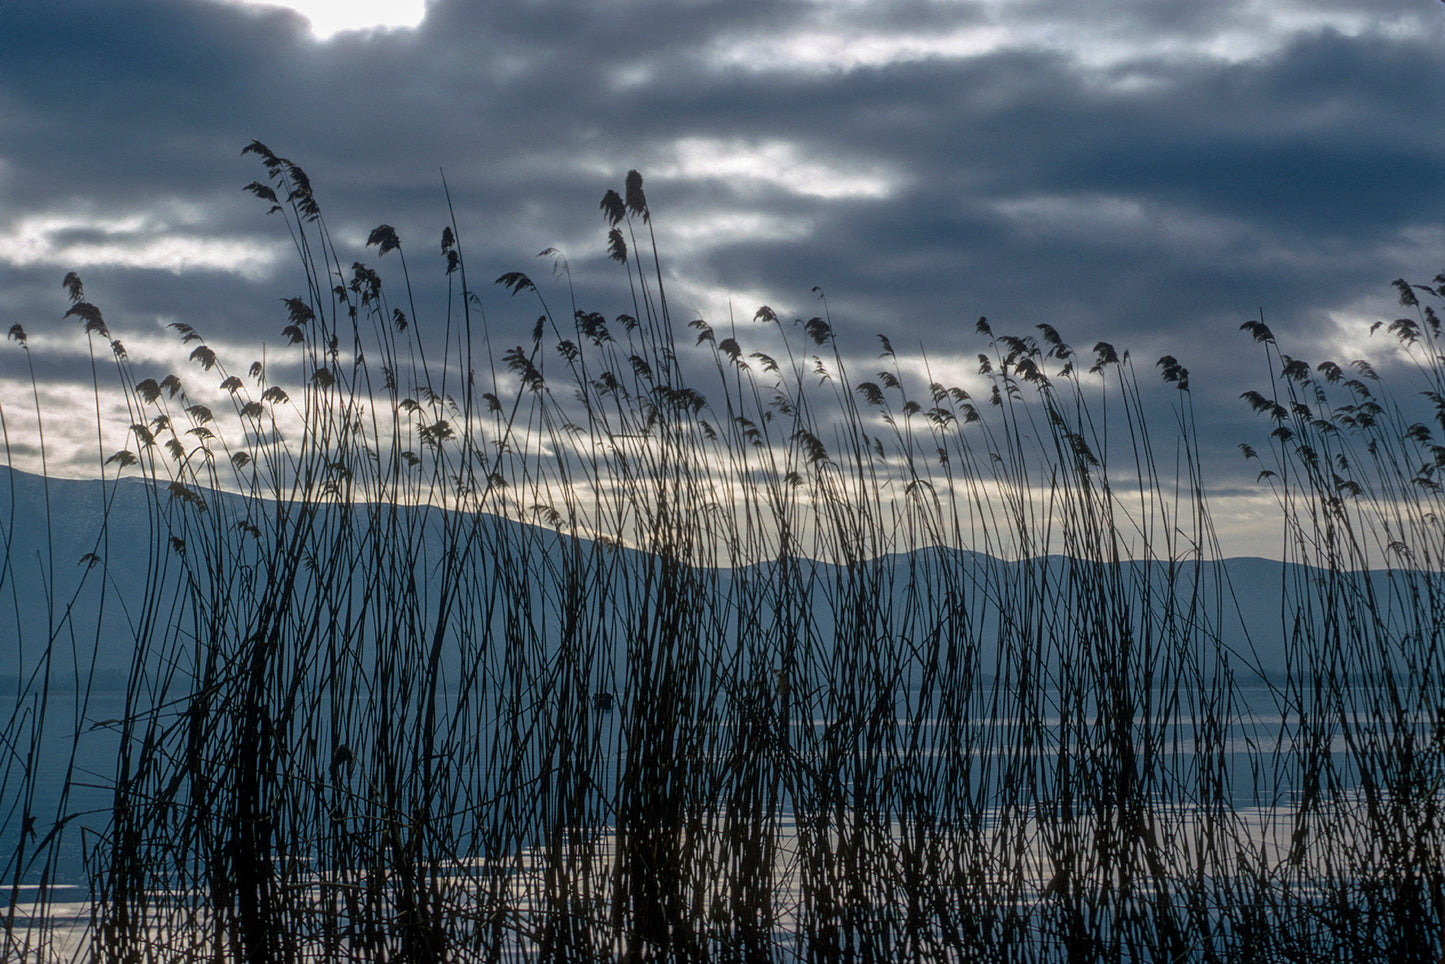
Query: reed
611	647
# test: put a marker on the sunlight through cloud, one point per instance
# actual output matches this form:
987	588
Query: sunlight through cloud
76	241
331	17
707	229
843	37
777	163
831	49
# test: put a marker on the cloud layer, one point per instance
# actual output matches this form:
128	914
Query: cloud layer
1148	174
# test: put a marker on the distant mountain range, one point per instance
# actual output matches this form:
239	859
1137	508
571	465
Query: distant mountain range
64	539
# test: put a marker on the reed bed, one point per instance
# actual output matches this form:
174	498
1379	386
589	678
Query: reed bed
608	646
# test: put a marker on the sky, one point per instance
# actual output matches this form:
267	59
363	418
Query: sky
1144	173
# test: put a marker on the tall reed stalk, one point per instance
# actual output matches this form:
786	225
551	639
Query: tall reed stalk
609	647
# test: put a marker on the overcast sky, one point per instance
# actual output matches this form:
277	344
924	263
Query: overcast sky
1143	172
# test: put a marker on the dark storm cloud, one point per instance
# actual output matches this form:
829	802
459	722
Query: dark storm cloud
1148	173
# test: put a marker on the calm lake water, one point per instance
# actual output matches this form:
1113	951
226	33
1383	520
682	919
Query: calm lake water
1257	754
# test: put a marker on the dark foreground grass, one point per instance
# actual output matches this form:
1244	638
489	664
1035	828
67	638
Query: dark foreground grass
602	648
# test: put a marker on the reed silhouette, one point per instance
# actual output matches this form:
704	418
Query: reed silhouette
604	647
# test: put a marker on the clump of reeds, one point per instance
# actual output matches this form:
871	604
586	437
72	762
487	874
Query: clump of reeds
608	648
1358	476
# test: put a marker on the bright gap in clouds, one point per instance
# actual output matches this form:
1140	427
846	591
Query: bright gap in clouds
330	17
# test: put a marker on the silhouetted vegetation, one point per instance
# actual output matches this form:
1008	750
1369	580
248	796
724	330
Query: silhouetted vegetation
602	647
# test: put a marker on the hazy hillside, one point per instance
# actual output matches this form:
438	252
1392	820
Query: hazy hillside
80	556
